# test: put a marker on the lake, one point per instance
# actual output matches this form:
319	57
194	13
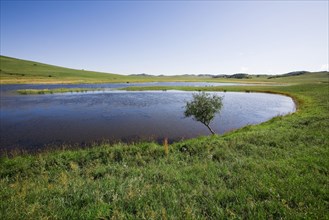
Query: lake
35	121
9	89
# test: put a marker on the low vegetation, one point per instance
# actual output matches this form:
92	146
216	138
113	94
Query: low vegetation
52	91
275	170
17	71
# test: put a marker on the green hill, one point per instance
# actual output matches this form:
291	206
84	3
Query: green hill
22	71
302	77
17	71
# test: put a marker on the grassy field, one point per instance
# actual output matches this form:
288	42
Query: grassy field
16	71
275	170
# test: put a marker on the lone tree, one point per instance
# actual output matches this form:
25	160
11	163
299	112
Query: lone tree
203	108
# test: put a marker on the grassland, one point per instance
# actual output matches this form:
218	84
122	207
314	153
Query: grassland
52	91
16	71
275	170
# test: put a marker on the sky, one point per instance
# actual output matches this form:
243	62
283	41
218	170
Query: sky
169	37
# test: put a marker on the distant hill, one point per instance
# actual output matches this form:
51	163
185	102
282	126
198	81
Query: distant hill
295	73
142	74
234	76
18	71
289	75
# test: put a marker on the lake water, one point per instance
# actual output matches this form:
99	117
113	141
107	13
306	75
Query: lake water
34	121
7	89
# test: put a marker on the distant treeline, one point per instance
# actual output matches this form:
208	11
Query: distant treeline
234	76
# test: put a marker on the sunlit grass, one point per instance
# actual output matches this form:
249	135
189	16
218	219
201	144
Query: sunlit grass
16	71
275	170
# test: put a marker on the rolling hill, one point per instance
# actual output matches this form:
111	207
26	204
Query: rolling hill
18	71
23	71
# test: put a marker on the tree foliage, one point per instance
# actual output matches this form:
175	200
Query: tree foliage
203	108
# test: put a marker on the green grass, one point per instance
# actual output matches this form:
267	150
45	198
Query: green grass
52	91
23	71
17	71
275	170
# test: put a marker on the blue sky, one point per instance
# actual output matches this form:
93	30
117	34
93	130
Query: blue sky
169	37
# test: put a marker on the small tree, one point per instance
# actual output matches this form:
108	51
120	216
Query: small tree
203	108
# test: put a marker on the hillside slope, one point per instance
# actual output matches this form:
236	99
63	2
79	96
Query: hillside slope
22	71
302	77
18	71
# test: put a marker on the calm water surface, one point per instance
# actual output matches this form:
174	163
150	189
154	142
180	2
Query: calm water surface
33	121
10	89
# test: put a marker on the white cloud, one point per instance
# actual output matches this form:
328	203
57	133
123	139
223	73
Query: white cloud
324	67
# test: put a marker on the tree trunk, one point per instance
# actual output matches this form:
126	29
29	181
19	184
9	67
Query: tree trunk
212	132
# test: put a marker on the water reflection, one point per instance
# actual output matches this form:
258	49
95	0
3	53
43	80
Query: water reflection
31	121
10	89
